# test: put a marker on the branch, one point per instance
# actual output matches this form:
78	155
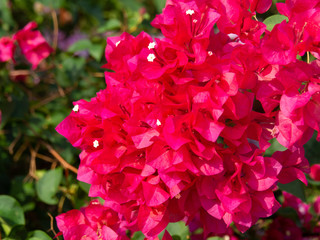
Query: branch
63	162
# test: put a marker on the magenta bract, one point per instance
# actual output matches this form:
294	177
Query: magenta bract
181	130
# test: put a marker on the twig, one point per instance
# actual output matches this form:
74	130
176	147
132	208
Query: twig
60	204
53	165
15	73
33	167
21	149
98	74
55	29
14	142
51	226
45	158
63	162
308	57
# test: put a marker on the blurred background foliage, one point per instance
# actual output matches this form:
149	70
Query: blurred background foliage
37	165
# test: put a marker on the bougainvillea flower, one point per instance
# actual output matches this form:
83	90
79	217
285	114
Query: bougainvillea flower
294	165
292	7
301	208
33	45
316	205
279	46
7	48
181	131
183	21
261	6
94	222
283	228
315	172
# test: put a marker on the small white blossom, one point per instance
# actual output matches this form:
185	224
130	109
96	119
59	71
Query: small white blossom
76	108
190	12
158	122
117	43
151	57
95	143
210	53
151	45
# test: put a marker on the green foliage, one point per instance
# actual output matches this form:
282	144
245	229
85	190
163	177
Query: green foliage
296	188
271	21
274	147
11	213
178	230
47	186
38	235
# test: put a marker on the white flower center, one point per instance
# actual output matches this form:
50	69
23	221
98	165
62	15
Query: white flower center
95	143
210	53
117	43
190	12
151	57
158	122
151	45
76	108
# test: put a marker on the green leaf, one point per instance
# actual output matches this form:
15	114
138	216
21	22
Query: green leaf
11	213
138	236
52	4
19	232
84	186
160	4
178	229
288	212
5	15
271	21
96	51
296	188
275	146
132	5
47	186
38	235
112	24
80	45
312	150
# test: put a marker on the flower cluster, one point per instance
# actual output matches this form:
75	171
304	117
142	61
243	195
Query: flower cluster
32	44
286	228
182	128
93	222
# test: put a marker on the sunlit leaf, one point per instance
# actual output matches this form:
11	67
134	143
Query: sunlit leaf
47	186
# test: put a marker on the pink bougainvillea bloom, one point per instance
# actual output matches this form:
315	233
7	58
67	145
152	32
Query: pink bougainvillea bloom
293	7
316	205
261	6
94	222
283	228
181	130
183	21
33	45
7	48
301	208
315	172
279	46
294	165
